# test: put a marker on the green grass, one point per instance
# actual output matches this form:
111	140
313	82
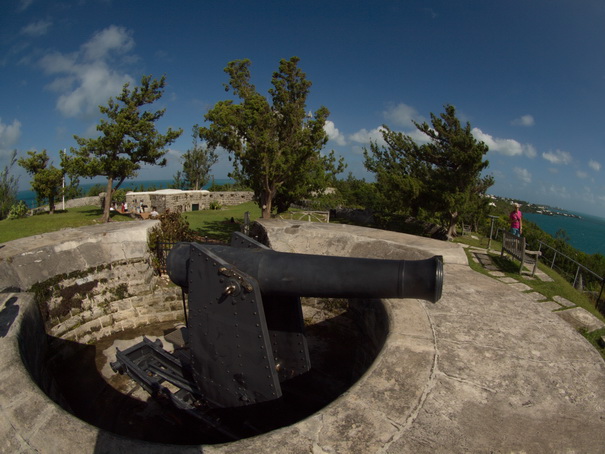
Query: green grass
220	224
44	222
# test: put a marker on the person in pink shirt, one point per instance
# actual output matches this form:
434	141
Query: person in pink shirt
516	220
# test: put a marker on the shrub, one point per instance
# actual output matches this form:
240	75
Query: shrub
18	210
96	189
173	228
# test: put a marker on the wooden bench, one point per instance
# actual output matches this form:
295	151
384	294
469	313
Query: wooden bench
515	246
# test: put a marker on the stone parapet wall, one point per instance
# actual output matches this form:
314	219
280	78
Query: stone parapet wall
87	306
72	203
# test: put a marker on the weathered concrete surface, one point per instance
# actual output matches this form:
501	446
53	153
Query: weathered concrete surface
485	369
504	373
33	259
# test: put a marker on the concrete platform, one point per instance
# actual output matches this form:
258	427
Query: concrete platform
483	370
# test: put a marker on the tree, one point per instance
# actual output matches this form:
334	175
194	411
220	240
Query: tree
456	160
276	146
46	180
71	180
9	186
400	175
197	162
128	139
442	176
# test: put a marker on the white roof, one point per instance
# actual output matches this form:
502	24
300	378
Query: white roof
167	191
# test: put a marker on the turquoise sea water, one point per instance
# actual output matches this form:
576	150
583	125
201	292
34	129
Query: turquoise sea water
29	197
586	234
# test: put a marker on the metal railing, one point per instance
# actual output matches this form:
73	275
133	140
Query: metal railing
550	256
309	216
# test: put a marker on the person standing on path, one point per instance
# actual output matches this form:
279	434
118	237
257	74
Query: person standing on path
516	220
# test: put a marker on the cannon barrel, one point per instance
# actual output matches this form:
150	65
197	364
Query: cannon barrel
289	274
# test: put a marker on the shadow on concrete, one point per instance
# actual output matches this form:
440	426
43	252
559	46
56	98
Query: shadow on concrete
334	346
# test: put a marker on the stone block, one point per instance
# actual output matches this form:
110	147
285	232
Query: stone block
129	324
563	301
106	320
124	315
520	286
580	318
551	305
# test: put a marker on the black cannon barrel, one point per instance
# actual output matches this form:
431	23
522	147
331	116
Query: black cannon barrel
283	273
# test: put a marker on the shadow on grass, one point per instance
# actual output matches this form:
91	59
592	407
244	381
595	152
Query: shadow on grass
506	265
220	230
94	212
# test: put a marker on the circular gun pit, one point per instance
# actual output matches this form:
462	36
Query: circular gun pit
92	391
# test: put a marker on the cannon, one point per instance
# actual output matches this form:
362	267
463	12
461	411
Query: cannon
245	328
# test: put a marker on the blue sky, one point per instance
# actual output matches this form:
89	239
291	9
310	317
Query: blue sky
529	76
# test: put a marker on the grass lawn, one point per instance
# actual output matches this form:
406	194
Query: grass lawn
220	224
44	222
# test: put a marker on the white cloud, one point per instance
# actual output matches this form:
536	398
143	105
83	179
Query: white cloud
401	115
594	165
333	133
39	28
508	147
9	135
557	157
24	4
558	191
581	174
103	43
525	120
364	136
523	174
85	79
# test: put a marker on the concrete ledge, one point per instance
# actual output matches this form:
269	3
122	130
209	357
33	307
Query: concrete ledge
29	260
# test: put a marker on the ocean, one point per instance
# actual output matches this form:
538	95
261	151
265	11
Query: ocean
586	234
29	196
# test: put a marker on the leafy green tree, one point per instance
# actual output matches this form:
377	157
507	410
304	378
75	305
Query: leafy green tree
47	179
178	181
456	160
197	162
9	186
71	180
442	176
128	138
401	176
276	146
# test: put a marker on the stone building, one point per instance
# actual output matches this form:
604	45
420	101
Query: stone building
179	200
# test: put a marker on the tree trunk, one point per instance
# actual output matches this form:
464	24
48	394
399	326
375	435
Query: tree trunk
108	195
266	204
51	205
451	231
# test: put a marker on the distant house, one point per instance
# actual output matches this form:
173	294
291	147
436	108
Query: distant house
179	200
